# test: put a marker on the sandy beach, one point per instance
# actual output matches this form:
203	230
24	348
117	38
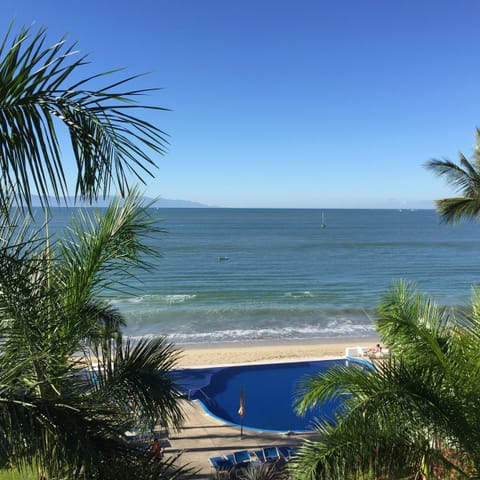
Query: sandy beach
265	352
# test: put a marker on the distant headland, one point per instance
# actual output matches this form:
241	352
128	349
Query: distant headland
104	202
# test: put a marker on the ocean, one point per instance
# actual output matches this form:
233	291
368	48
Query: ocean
236	275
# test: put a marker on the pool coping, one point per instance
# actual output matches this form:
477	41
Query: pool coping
246	427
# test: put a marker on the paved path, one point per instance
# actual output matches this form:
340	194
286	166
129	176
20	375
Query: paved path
203	436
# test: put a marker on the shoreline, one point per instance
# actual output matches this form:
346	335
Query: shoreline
268	351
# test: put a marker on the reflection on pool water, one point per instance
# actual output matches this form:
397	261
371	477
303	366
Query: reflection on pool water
269	393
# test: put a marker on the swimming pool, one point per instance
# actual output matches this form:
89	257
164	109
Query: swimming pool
269	393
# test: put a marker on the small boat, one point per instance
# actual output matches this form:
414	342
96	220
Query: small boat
223	259
323	224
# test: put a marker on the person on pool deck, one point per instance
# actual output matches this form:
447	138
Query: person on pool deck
377	350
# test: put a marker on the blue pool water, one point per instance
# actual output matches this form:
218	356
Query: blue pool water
270	390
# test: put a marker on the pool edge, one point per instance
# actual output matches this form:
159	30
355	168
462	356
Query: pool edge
246	427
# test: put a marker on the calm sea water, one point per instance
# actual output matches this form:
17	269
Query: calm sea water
245	274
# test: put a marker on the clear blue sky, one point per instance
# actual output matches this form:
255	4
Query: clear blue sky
299	103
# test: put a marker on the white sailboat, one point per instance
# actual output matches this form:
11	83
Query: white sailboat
323	224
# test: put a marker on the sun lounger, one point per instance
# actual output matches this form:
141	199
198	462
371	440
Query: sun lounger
221	463
355	351
288	452
270	454
242	457
260	455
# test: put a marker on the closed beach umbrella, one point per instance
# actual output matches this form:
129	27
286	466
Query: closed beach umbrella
241	410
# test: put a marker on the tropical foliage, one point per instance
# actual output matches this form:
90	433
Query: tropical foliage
43	100
465	178
266	471
416	415
70	385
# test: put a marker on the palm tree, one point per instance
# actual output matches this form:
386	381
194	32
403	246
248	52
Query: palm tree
415	415
465	177
40	93
68	379
60	412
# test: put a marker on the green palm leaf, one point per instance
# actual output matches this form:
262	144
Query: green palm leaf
141	373
38	95
55	413
465	178
413	413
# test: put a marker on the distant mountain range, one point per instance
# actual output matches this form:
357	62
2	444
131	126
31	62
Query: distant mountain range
169	203
159	203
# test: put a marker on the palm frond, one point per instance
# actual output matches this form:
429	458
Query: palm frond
56	432
460	178
385	424
452	210
465	178
107	142
356	450
104	250
412	324
141	373
414	412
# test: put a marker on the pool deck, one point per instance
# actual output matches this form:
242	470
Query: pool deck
202	436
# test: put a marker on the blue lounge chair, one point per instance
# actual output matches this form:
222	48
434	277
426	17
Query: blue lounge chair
268	454
271	454
221	463
288	452
241	457
260	455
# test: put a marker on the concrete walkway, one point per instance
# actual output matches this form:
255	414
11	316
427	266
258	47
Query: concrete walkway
203	436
